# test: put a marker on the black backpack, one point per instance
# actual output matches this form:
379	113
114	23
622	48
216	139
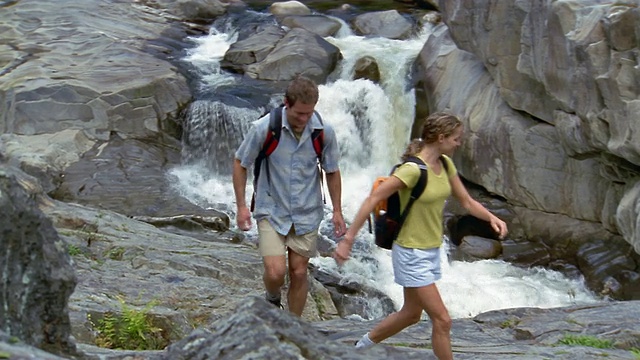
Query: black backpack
387	216
271	143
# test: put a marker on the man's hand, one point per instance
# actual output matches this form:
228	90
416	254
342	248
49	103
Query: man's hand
339	227
243	218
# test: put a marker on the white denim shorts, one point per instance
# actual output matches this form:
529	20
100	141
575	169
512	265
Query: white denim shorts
415	267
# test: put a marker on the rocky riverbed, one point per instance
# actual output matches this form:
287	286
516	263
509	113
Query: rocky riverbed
92	99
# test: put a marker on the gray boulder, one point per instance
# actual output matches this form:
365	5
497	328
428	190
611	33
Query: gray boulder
38	277
480	247
258	330
283	8
317	24
299	52
367	68
194	10
560	200
130	177
14	349
575	81
101	73
389	24
252	49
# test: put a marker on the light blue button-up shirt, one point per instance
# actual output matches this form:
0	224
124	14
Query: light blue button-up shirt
291	194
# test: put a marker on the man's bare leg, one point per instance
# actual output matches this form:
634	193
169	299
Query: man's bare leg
275	268
299	283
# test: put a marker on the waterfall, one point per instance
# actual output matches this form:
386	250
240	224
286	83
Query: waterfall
212	134
373	124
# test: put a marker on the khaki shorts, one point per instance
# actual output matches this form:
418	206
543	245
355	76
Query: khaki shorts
273	244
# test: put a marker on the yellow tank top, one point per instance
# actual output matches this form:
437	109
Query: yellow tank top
423	227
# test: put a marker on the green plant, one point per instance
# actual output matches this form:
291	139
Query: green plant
132	329
509	323
636	353
73	250
585	340
116	253
319	303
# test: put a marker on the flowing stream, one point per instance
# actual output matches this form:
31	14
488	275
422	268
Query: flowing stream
372	123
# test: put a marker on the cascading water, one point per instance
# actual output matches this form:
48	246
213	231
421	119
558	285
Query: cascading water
372	123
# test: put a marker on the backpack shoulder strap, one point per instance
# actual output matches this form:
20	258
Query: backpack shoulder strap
275	130
317	138
268	147
418	189
445	164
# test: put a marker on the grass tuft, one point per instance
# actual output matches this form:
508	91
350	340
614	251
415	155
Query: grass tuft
131	329
586	340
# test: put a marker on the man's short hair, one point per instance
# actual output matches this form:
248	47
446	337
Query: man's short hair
302	89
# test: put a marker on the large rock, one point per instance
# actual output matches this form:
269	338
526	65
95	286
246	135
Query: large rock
130	177
194	10
45	156
284	8
300	52
515	156
508	153
578	74
318	24
13	349
258	330
252	49
367	68
37	276
389	24
72	69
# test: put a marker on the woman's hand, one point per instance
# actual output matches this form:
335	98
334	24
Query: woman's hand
499	226
343	250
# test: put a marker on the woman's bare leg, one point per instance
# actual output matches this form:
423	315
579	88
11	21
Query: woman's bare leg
431	302
409	314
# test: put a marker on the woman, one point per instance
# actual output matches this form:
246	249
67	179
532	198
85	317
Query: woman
415	253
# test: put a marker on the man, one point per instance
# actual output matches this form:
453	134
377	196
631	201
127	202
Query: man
288	202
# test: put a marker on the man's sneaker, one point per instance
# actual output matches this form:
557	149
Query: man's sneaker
277	303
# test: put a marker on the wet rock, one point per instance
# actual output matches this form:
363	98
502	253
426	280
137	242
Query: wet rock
569	270
609	269
352	298
480	247
525	254
366	68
